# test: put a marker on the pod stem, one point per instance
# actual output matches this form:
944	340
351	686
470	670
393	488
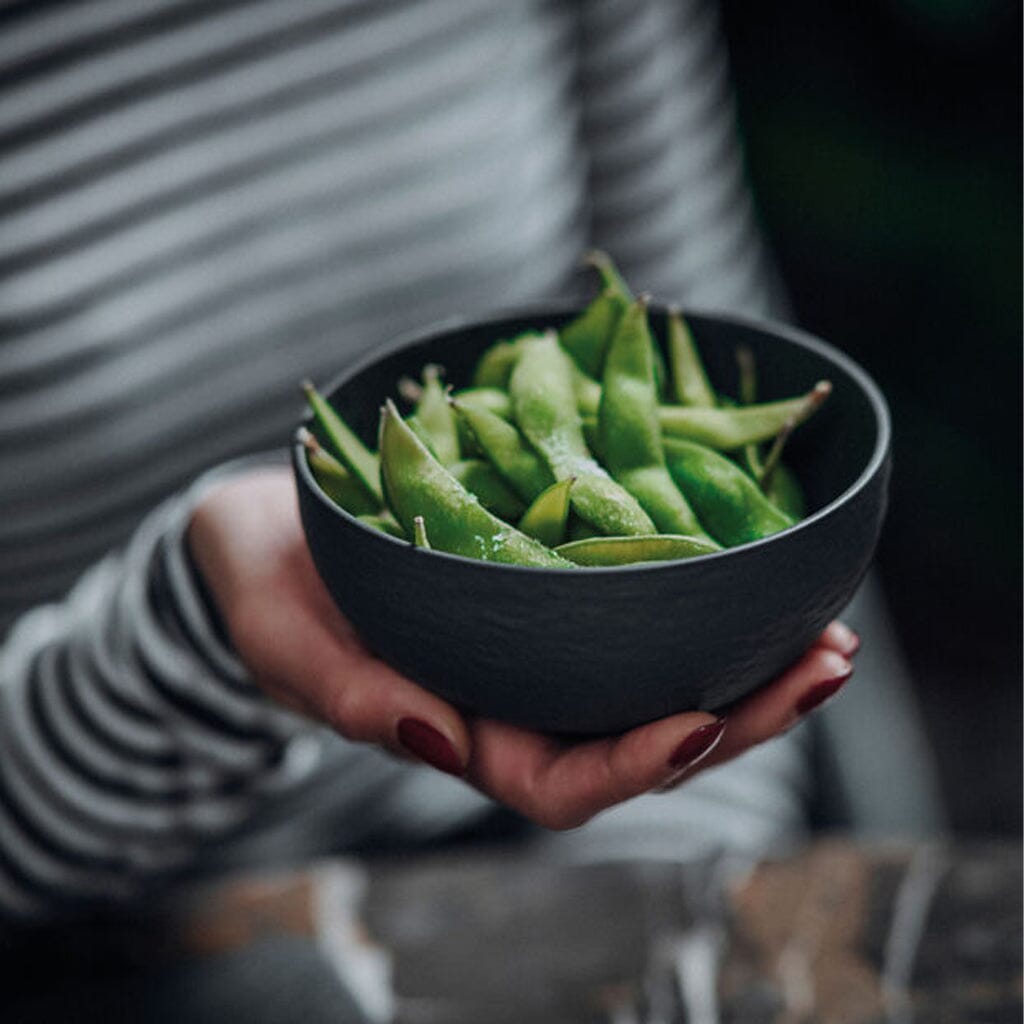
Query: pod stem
812	402
764	478
309	441
410	390
748	374
419	533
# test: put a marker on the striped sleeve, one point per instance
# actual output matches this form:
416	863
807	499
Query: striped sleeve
668	192
129	732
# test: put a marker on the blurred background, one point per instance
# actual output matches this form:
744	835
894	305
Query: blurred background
883	140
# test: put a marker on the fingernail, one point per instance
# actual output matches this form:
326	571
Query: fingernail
426	743
698	744
849	641
820	692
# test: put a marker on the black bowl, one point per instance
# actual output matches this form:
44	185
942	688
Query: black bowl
594	651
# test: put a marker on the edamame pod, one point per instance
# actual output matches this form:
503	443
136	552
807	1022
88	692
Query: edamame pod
483	480
416	484
435	416
385	522
587	392
421	432
507	450
335	480
545	519
657	547
545	409
785	493
729	503
630	438
728	428
492	399
494	367
777	482
690	384
353	454
587	337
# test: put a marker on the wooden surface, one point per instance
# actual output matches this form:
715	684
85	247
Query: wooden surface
836	933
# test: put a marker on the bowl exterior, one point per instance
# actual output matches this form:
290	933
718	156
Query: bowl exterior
595	651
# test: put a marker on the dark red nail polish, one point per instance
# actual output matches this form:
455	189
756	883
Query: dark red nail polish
820	692
426	743
697	744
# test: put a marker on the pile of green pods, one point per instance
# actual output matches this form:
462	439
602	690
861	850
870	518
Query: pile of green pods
580	446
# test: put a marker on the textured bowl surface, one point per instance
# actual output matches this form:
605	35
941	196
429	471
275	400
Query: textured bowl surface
591	651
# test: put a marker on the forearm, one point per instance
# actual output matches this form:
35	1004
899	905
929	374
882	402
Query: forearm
129	732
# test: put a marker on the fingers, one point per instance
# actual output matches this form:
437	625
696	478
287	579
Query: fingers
561	786
839	637
775	708
332	678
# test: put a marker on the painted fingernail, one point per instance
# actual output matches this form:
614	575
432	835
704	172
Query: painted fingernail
698	744
820	692
848	640
426	743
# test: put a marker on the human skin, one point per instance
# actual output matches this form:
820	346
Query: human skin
247	543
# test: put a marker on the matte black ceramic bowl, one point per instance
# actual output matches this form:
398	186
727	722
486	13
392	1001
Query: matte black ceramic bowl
588	651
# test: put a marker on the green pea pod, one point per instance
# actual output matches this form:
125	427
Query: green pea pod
748	375
419	533
489	398
483	480
416	426
655	547
416	484
546	518
690	384
587	392
630	438
776	480
436	417
728	428
507	450
385	522
592	436
354	455
494	367
750	455
728	502
492	399
587	337
545	409
335	480
784	491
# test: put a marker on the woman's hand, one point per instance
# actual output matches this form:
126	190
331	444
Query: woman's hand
247	543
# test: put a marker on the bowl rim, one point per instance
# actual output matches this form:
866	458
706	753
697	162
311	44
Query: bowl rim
795	335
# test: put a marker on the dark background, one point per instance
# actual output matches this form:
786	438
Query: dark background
883	140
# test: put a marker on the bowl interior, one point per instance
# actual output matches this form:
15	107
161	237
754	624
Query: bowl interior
829	453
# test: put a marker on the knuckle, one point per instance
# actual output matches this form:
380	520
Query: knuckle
349	712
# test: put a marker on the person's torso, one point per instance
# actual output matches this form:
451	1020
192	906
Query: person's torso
198	209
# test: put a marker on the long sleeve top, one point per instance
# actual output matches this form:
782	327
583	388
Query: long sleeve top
199	206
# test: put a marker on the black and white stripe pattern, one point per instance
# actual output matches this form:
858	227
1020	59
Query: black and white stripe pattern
199	205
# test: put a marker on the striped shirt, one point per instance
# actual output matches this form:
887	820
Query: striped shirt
199	205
